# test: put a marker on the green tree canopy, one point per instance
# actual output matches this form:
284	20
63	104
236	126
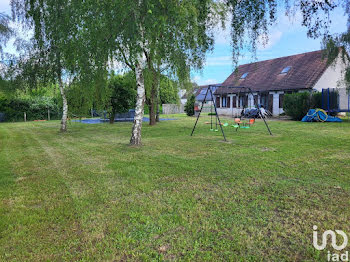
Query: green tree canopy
174	34
122	94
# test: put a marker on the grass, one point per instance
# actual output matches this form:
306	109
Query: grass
86	195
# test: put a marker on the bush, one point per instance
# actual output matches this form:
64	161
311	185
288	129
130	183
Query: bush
316	100
297	105
189	106
35	108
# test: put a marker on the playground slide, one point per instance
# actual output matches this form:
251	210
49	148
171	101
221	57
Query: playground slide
319	115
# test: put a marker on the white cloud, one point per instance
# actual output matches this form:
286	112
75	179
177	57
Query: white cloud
219	61
266	42
197	79
223	35
210	82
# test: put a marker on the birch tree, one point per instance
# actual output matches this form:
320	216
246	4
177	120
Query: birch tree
55	31
149	32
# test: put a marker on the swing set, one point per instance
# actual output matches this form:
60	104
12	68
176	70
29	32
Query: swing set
216	121
238	123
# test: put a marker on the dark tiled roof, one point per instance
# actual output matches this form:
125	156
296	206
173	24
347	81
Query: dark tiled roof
306	70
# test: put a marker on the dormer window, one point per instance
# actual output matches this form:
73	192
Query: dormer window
244	75
286	70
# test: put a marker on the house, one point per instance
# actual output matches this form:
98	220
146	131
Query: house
182	96
187	94
199	94
270	80
202	91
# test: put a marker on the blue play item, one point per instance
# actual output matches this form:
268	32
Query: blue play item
319	115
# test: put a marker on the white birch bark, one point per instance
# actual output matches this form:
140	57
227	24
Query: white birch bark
140	103
65	107
135	139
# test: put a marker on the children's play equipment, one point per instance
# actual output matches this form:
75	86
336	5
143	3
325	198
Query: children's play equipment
335	100
238	123
319	115
211	120
241	124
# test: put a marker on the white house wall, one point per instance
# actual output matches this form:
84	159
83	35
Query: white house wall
333	76
276	103
183	101
236	112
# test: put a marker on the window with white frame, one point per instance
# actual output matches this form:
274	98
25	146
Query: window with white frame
224	101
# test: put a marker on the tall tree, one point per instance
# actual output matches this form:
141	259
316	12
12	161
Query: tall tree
55	41
151	32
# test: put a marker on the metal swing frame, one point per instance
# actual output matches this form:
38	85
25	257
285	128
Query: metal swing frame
255	104
216	112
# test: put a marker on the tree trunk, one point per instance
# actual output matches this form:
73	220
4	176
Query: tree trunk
158	101
65	106
153	102
112	118
140	103
153	95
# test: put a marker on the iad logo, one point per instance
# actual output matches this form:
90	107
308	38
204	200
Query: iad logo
333	237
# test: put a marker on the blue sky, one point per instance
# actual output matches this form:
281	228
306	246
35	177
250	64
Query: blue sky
287	37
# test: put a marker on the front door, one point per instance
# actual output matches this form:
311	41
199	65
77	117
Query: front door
266	100
218	101
270	103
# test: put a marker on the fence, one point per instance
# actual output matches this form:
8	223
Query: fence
173	109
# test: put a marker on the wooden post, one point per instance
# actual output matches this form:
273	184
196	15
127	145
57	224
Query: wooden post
25	117
48	114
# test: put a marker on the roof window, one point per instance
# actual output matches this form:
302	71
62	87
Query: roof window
285	70
244	75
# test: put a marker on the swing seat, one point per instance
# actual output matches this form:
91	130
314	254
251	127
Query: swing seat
238	121
226	124
235	126
251	122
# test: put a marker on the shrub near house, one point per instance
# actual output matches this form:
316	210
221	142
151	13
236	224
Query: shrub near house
189	106
296	105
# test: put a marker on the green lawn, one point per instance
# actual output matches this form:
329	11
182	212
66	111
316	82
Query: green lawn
86	195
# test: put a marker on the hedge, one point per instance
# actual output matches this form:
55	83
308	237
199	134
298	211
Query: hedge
35	108
296	105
